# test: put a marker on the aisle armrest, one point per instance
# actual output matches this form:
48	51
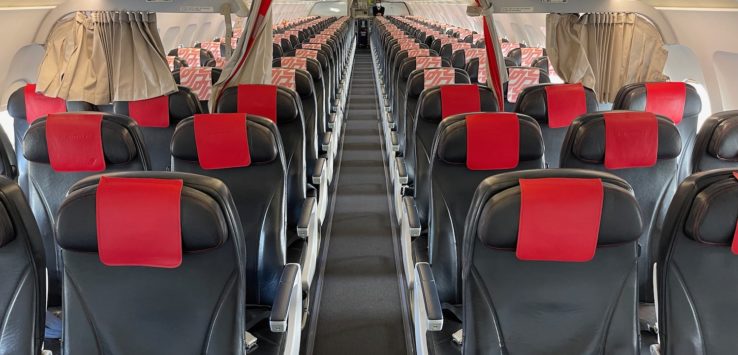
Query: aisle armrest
401	168
288	298
327	142
409	228
308	218
427	310
395	140
411	216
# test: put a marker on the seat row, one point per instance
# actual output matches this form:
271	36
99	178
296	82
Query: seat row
273	173
448	138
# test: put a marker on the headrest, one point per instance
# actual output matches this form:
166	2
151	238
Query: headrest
712	216
72	141
420	80
428	62
566	105
26	104
78	106
438	103
310	65
222	141
7	231
454	139
191	56
674	100
258	133
152	112
307	53
179	106
418	53
520	78
138	222
557	216
633	147
278	104
723	143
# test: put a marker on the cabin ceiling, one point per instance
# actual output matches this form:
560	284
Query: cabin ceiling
693	3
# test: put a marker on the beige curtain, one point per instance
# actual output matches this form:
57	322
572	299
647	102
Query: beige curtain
605	51
101	57
257	68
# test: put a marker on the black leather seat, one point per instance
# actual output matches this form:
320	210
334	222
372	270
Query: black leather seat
8	160
675	100
524	57
520	78
448	49
394	74
57	159
434	106
199	81
26	106
322	55
526	295
640	148
159	270
256	177
467	149
568	101
716	145
282	106
157	118
418	81
22	269
697	267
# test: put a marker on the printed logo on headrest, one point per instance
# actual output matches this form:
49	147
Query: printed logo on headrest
170	62
409	45
284	77
306	53
427	62
213	47
234	42
459	46
220	62
477	37
528	55
438	77
313	46
471	53
446	40
191	56
294	63
508	46
200	80
519	79
411	53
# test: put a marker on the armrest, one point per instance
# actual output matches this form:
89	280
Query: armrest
318	171
401	170
307	218
327	139
332	119
655	349
287	300
395	142
430	311
411	216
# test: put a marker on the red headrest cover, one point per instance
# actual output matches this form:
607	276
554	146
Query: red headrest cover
492	141
565	103
138	222
151	112
667	99
74	142
559	219
38	105
259	100
631	140
456	99
222	140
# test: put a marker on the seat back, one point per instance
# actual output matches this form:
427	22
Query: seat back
675	100
22	269
282	106
467	149
58	158
520	78
194	57
697	266
322	55
256	182
448	49
8	159
157	118
313	68
418	81
524	57
160	269
407	67
563	283
435	105
716	145
26	106
567	102
642	149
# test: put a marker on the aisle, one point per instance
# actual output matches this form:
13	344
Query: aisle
360	307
